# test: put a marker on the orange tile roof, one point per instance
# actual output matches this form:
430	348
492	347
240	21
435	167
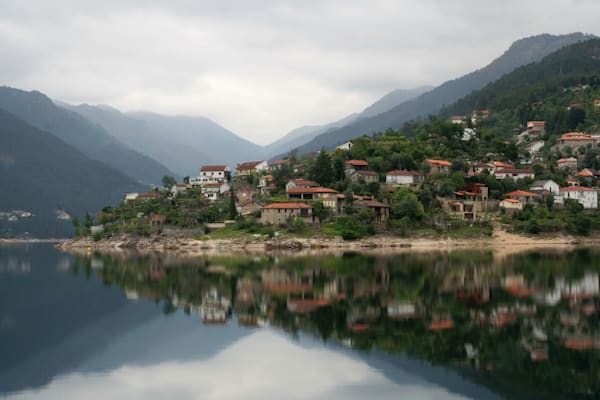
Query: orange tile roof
278	162
521	193
443	163
536	123
287	206
576	189
443	324
514	201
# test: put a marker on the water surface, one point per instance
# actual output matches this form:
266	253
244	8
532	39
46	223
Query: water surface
432	326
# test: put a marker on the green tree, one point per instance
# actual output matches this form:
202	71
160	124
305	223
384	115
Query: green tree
232	211
322	169
168	181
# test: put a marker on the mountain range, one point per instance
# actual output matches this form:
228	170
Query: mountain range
41	174
91	139
522	52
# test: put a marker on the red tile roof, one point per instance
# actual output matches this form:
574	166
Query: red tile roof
248	165
213	168
586	173
278	162
311	190
577	189
304	182
151	195
357	163
442	163
574	136
536	123
287	206
443	324
403	172
367	173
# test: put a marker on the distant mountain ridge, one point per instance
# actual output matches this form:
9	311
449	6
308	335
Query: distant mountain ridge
42	174
154	142
204	136
521	52
392	99
92	140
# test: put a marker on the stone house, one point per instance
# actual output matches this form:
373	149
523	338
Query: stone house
439	166
326	195
367	176
355	165
281	213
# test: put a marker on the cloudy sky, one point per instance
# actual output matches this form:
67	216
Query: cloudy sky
261	67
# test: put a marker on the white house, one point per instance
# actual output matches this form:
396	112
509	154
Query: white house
131	197
178	188
211	174
586	196
404	177
547	185
252	167
345	146
511	204
214	191
514	173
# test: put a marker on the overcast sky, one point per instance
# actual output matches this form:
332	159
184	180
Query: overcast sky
261	67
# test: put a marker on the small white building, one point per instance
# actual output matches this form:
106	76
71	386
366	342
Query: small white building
588	197
344	146
131	197
178	188
404	177
214	191
514	173
546	185
511	204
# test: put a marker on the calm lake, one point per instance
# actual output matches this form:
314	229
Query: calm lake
466	324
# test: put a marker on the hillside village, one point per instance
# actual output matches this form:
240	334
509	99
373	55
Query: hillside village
448	177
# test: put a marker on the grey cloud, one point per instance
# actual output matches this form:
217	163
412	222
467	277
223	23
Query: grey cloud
261	67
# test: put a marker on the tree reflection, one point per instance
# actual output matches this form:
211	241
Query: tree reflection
525	324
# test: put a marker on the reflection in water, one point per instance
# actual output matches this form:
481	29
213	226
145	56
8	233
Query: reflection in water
524	325
261	366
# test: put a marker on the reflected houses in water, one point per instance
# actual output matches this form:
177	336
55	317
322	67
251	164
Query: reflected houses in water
536	314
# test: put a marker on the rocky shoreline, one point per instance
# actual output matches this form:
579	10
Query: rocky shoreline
182	245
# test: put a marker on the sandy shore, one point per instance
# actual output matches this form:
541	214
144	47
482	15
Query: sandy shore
501	242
